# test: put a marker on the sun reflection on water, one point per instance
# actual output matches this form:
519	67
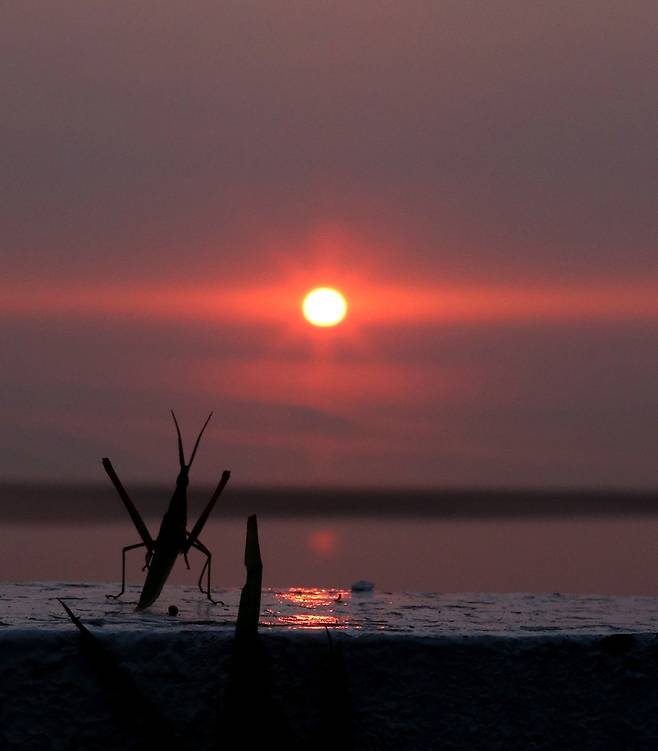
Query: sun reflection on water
309	608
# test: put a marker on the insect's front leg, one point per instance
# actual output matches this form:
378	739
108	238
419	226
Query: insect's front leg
123	567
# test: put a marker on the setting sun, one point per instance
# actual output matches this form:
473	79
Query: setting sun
324	306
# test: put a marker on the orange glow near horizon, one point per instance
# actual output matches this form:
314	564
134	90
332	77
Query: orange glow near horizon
372	303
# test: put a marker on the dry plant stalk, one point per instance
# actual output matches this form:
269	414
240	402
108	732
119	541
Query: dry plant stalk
249	610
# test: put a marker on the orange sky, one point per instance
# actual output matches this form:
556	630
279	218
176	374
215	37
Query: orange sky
479	180
369	303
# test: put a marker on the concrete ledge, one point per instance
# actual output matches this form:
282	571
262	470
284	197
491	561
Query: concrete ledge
402	692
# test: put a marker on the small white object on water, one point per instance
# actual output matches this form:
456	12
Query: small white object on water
363	586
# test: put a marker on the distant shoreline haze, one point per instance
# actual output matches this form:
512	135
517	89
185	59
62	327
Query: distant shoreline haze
68	502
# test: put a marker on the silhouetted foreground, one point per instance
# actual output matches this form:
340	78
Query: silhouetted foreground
530	693
162	689
249	716
131	709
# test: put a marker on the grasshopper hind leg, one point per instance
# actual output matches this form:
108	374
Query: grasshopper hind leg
123	566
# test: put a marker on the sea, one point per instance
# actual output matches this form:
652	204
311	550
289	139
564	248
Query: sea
400	540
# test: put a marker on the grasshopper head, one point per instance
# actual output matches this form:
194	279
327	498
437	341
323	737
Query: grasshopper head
183	479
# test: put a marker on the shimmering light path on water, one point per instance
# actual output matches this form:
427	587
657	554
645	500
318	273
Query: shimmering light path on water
35	606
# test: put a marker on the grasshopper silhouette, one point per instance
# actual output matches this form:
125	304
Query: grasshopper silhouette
173	538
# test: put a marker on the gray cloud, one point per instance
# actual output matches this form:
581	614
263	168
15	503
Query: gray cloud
507	134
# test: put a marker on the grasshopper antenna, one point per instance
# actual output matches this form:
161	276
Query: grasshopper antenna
196	445
181	456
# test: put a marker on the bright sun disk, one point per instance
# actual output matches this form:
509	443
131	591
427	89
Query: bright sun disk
324	306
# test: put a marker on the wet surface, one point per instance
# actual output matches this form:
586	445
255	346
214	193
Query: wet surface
34	605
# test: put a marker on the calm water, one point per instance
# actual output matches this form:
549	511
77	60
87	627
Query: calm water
616	556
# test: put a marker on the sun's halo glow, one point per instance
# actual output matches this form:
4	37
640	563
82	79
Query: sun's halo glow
324	306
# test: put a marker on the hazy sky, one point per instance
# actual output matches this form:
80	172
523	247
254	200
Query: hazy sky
479	178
